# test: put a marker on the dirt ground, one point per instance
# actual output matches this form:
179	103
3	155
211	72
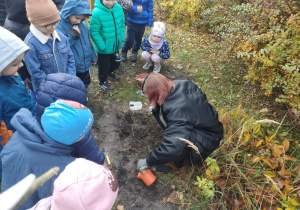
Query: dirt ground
123	134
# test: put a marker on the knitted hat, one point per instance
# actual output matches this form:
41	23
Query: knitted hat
11	47
66	121
158	29
41	12
84	185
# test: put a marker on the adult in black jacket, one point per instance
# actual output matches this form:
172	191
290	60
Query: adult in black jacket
2	12
16	22
182	110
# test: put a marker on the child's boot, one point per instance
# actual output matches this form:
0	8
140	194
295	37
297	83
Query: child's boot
147	66
134	56
106	86
114	76
156	68
123	56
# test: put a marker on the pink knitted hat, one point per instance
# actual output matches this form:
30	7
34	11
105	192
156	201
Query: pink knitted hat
84	185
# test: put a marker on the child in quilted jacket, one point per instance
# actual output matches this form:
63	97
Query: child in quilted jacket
155	48
140	16
107	29
36	147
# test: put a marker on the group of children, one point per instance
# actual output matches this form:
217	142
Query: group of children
50	127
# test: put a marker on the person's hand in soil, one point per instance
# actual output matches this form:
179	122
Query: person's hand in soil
141	165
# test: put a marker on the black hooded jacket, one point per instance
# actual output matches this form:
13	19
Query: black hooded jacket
187	114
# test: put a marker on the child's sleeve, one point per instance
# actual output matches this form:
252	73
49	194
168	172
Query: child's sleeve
164	51
123	28
71	69
150	13
71	35
34	67
145	46
95	31
134	9
88	148
94	55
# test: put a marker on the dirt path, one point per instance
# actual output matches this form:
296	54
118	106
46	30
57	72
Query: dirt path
123	134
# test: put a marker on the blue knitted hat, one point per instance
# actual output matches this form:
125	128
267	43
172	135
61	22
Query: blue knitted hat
66	121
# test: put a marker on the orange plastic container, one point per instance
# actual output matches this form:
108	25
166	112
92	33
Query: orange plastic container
147	177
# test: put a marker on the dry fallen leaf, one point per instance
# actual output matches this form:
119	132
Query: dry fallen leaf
213	101
188	66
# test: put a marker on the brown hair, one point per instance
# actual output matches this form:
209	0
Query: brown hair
157	87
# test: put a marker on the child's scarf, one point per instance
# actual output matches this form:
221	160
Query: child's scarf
156	45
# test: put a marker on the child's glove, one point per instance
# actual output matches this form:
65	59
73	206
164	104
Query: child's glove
142	164
74	34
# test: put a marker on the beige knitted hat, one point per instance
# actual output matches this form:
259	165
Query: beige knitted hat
41	12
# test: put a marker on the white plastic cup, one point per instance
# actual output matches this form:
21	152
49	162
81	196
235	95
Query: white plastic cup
135	105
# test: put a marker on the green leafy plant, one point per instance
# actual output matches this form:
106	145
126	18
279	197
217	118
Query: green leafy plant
206	187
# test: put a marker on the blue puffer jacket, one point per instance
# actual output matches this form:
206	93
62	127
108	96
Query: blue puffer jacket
81	47
47	56
65	86
145	17
30	150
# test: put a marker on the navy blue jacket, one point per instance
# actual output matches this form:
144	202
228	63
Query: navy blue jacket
31	150
80	43
2	12
164	51
68	87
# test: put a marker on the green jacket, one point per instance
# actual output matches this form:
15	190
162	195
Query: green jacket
107	28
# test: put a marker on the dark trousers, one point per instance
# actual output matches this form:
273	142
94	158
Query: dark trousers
85	78
134	37
106	66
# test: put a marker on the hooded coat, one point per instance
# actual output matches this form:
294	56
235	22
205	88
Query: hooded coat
68	87
31	150
13	93
186	113
80	43
107	28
